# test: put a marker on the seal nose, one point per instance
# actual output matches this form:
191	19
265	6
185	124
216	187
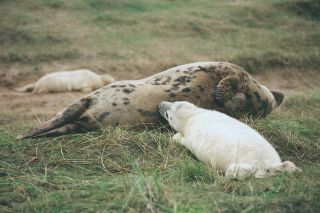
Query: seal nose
278	96
163	107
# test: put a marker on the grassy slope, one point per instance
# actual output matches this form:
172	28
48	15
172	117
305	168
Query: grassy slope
137	171
145	36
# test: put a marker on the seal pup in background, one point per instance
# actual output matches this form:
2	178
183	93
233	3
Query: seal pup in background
223	142
82	80
133	103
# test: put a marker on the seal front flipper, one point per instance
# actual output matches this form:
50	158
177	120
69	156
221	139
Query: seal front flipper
67	116
227	87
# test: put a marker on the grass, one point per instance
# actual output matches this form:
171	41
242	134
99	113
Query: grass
118	170
145	36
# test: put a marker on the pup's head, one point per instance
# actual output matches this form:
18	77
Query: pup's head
256	100
177	113
107	79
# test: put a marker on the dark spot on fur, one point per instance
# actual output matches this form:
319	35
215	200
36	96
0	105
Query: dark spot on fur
187	89
234	84
198	97
155	83
147	113
185	72
167	90
264	104
117	90
168	79
103	115
183	79
241	75
86	102
122	85
75	110
127	91
256	83
125	99
114	104
131	85
126	102
113	86
248	97
258	97
201	88
175	86
204	69
264	108
172	95
84	119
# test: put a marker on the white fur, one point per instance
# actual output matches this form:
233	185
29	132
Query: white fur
78	80
223	142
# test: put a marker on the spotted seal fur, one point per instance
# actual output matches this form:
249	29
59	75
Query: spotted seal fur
211	85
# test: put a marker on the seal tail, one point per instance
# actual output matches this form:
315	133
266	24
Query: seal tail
27	88
65	117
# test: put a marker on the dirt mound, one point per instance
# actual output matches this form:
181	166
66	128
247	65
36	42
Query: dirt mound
290	81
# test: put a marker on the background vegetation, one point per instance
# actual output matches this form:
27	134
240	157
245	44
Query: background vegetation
145	36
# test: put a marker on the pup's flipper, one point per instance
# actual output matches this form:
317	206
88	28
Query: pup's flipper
27	88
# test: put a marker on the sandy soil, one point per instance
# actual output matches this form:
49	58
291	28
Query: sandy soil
30	107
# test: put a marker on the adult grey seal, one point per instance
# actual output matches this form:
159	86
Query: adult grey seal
131	103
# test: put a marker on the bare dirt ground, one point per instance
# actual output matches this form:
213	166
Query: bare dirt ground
28	107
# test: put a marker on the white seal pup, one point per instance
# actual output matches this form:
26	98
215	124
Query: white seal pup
82	80
223	142
134	103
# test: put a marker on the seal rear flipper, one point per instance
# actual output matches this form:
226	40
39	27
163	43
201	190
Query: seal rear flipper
27	88
67	116
64	130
